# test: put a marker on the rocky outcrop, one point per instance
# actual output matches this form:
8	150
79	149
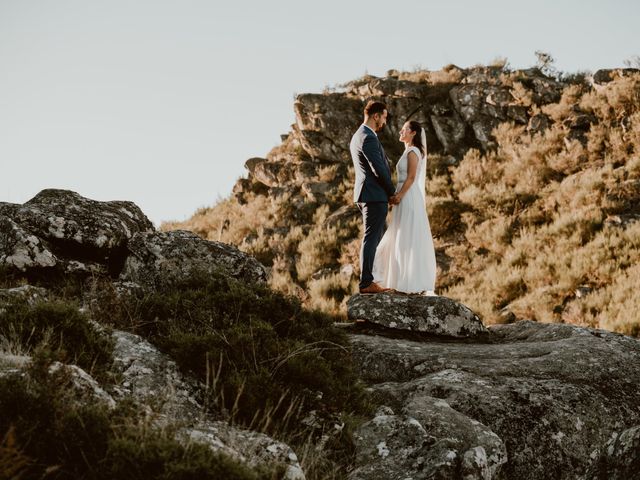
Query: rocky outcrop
68	220
164	257
459	109
553	394
417	313
64	229
59	232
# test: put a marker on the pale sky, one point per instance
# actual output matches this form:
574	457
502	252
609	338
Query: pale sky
161	101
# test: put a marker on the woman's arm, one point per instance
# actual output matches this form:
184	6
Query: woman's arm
412	169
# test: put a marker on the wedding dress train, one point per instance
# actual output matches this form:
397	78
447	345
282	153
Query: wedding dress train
405	258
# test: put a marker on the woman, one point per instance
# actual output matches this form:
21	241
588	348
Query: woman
405	259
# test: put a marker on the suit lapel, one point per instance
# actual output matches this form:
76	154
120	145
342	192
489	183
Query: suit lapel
384	155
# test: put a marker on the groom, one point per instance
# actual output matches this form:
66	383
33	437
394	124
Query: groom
373	188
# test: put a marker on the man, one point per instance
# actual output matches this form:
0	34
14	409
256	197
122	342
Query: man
373	188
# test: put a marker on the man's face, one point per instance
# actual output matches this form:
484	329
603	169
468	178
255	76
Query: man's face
381	120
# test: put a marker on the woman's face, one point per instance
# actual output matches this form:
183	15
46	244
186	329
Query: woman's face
406	135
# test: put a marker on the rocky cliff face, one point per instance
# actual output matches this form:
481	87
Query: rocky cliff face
458	107
531	179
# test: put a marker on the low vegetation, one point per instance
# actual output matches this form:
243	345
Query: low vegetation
267	364
259	351
44	433
58	327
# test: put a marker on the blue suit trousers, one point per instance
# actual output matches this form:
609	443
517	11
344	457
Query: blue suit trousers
374	215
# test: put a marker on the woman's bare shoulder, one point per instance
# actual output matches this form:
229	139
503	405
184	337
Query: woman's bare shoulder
412	154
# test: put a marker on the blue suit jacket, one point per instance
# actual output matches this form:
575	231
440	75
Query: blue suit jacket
373	176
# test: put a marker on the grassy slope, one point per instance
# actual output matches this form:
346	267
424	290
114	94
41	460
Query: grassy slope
528	230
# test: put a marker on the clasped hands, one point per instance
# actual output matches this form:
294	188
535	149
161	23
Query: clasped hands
395	199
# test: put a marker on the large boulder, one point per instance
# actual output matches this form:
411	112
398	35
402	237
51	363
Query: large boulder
272	174
251	164
160	258
321	147
417	313
432	441
73	227
331	111
553	393
146	374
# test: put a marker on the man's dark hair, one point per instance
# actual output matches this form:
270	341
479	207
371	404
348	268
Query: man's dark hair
374	107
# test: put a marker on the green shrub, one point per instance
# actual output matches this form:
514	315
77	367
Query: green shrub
257	350
54	437
60	327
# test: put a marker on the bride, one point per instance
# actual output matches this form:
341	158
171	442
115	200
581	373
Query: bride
405	259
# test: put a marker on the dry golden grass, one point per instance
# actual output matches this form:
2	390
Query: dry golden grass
542	226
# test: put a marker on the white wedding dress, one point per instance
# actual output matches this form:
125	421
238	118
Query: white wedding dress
405	259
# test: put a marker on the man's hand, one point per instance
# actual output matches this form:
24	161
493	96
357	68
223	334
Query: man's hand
395	200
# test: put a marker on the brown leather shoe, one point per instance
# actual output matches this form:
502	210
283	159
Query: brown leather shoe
374	288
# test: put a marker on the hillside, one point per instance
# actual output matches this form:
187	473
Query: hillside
533	193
